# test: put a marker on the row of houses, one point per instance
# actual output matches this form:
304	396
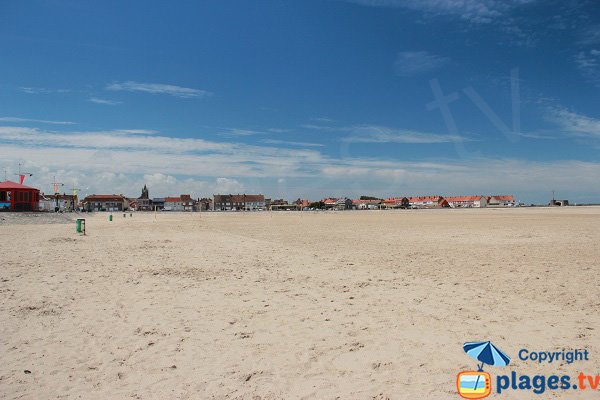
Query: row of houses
258	202
118	202
476	201
235	202
18	197
184	202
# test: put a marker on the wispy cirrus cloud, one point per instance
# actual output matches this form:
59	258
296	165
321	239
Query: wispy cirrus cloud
322	127
39	90
158	88
322	119
409	63
587	57
118	139
135	131
384	134
41	121
590	35
588	65
103	101
573	123
291	143
232	132
476	11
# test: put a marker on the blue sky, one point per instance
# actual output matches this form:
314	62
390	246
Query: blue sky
304	98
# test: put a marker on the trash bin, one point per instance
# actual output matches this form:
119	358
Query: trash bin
81	225
110	217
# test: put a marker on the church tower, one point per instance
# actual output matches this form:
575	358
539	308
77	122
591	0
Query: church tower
145	194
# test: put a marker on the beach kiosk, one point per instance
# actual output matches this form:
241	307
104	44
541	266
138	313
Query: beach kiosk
18	197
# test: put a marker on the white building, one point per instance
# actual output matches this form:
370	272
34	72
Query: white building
366	204
173	204
467	201
502	201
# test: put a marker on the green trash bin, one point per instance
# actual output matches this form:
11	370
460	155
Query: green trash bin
81	225
110	217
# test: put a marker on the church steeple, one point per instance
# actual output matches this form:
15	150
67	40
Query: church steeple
145	194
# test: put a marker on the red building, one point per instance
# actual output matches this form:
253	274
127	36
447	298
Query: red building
17	197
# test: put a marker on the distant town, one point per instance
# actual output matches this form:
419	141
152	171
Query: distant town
19	197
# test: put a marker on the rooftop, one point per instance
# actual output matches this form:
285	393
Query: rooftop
14	185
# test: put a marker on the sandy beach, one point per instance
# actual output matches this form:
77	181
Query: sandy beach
284	305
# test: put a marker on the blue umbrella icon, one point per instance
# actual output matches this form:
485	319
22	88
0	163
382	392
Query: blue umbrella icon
487	353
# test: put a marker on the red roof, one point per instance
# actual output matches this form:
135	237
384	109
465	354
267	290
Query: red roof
172	199
394	200
463	198
504	198
425	199
14	185
366	201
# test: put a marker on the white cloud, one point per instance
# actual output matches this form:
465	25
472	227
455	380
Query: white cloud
238	132
383	134
110	162
588	64
135	131
380	134
590	35
278	130
409	63
144	153
158	88
227	185
38	90
161	185
575	124
98	140
526	179
41	121
159	179
322	127
477	11
322	119
104	101
291	143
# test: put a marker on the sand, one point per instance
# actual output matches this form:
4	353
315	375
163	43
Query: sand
349	305
41	218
